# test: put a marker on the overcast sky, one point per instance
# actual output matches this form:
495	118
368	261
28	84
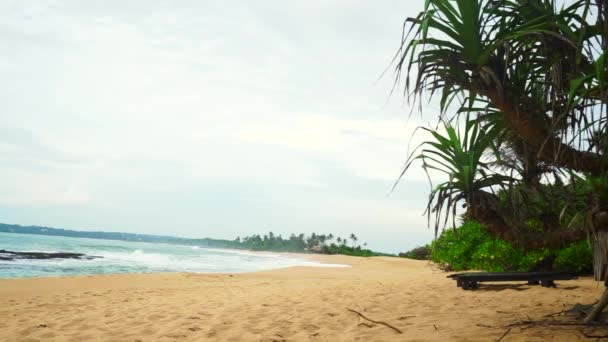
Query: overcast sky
208	119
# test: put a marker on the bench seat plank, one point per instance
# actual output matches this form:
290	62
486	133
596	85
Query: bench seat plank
514	276
471	280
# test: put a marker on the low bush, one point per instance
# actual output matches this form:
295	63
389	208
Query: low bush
495	255
348	250
576	257
454	249
471	247
418	253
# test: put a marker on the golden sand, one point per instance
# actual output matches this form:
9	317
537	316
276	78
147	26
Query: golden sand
294	304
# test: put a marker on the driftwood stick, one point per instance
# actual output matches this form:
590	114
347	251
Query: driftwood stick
591	335
556	313
503	335
377	322
557	323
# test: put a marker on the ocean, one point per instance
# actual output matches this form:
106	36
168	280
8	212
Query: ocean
133	257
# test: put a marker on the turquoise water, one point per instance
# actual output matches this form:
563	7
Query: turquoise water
133	257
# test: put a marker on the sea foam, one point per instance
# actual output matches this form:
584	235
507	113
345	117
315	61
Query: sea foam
136	257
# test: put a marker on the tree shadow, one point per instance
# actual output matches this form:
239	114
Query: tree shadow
517	287
568	287
502	287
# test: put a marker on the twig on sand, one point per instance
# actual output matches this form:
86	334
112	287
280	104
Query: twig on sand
377	322
556	323
503	335
556	313
590	335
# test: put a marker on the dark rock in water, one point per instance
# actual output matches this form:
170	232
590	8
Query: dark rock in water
11	255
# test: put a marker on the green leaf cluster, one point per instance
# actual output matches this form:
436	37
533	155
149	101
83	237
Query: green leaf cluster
471	247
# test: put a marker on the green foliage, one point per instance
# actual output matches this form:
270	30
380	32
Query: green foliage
418	253
530	259
546	205
495	256
471	247
319	243
576	257
460	158
456	247
348	250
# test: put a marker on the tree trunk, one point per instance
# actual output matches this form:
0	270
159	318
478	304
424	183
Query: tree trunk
600	253
530	125
597	223
493	220
594	315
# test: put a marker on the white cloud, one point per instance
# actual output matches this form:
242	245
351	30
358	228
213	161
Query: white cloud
144	106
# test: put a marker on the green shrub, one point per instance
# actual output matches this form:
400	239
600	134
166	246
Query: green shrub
347	250
577	257
495	256
530	259
456	247
418	253
472	247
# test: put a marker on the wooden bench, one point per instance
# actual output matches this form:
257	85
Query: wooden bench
471	280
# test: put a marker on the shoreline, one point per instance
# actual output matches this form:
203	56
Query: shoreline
297	303
301	256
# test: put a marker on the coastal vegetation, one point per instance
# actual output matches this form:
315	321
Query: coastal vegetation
522	134
301	243
472	247
318	243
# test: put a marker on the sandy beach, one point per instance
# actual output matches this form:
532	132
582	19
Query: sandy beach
294	304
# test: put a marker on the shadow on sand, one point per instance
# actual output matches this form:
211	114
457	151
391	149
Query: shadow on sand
516	287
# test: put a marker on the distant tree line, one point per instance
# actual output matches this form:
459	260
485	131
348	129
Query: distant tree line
320	243
301	243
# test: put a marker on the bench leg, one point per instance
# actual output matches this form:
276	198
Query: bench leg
547	283
532	282
469	285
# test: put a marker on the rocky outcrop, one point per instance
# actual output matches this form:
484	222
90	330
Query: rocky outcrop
12	255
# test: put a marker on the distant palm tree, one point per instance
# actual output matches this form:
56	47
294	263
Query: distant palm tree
353	237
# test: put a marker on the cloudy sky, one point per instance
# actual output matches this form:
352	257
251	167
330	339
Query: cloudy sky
208	119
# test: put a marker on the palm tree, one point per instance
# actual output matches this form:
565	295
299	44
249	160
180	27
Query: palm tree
537	66
353	237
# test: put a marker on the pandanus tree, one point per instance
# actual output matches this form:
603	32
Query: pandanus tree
536	71
470	179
